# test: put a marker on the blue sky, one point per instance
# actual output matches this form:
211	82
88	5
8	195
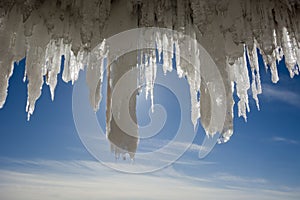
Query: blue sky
45	157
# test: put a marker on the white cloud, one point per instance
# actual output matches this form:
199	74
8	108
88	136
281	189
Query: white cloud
286	96
90	180
284	140
158	143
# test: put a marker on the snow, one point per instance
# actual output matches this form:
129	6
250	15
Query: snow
228	30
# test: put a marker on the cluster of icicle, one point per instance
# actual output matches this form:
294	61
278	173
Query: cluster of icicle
148	62
238	69
44	30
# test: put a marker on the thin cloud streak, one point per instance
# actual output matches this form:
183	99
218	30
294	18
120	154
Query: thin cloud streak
284	140
238	179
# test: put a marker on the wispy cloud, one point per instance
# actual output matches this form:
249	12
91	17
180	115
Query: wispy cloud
90	180
158	143
238	179
284	140
275	93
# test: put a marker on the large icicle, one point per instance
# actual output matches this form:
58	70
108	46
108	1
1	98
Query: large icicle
239	74
192	73
12	47
53	54
94	74
34	74
167	61
150	75
289	52
35	67
256	84
6	71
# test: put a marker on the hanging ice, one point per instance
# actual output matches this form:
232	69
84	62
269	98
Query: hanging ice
239	74
255	85
44	31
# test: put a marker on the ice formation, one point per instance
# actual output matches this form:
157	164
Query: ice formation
230	30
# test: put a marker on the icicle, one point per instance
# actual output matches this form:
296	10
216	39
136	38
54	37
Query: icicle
12	48
274	58
6	68
195	104
94	74
273	67
34	73
225	137
159	45
239	73
141	70
79	64
73	64
289	53
167	44
154	69
53	54
278	50
256	84
194	79
298	55
180	72
6	71
147	73
66	76
197	78
150	75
